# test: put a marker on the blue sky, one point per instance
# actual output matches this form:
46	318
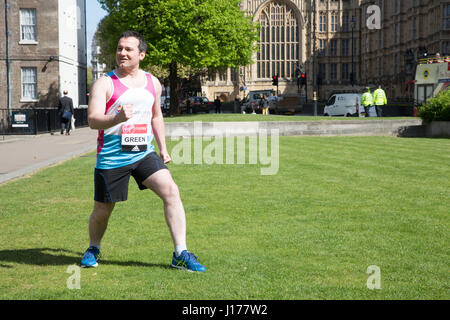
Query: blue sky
94	13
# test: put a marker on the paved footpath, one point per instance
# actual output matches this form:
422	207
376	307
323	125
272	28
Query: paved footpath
22	155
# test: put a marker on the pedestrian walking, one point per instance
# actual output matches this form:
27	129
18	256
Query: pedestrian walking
218	105
65	110
125	106
264	104
367	101
379	98
188	105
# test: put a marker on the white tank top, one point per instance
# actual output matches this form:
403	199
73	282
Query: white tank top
129	141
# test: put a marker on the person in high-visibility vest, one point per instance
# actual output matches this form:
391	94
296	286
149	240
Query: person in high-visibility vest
367	101
379	98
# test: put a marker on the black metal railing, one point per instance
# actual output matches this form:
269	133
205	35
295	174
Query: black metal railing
36	120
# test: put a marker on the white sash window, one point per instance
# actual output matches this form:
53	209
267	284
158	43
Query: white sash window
29	84
28	30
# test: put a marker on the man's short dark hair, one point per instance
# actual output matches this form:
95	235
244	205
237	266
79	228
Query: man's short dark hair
142	44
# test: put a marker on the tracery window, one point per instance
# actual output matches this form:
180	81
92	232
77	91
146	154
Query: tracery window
279	42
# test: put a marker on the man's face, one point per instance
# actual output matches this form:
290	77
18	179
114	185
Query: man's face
127	53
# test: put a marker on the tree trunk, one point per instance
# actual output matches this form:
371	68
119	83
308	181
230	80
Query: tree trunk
173	81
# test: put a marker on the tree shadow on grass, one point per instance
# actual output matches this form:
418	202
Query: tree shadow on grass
59	257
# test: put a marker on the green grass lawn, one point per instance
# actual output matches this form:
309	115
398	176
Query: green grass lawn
224	117
336	206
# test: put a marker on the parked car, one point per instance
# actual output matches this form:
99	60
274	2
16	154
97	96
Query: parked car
251	101
287	104
184	105
344	104
198	104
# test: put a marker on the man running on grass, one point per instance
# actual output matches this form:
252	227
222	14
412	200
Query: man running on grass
125	107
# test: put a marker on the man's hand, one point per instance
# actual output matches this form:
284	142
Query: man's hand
125	113
165	157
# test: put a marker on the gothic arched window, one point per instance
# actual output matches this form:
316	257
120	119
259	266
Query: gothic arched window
279	41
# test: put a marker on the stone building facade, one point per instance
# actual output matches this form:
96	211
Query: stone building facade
410	29
347	43
98	69
44	52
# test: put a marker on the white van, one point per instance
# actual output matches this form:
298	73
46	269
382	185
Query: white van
345	104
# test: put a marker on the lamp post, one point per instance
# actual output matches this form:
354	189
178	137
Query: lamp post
314	59
352	76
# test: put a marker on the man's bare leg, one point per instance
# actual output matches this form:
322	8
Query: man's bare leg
98	222
161	182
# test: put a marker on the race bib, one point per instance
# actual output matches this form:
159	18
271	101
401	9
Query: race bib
134	137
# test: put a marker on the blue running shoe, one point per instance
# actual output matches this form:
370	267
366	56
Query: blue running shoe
187	261
90	258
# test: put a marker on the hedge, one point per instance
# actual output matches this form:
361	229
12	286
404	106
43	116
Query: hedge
437	108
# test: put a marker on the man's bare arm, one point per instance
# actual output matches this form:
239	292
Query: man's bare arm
159	130
97	118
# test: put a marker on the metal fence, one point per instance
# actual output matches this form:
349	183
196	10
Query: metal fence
36	121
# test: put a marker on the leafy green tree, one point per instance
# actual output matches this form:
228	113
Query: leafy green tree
106	37
195	34
89	78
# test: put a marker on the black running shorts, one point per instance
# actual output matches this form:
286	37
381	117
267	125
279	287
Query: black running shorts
111	185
